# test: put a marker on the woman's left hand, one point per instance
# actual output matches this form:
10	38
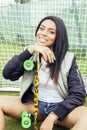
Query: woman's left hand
49	121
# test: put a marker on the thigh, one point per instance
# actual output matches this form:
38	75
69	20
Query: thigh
78	114
12	106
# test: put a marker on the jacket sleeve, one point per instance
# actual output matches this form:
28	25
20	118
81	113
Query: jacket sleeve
76	93
14	68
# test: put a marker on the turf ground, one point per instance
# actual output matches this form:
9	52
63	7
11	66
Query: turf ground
12	124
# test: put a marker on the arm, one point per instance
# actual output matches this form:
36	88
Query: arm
76	93
75	98
14	68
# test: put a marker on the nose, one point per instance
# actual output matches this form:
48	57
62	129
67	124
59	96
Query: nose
44	32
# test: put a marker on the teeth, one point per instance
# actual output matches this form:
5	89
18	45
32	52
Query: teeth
42	39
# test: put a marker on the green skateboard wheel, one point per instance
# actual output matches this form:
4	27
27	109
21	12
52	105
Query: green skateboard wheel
26	121
28	65
25	114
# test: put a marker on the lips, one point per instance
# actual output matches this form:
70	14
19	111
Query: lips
42	39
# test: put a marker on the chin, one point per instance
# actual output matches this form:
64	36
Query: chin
42	44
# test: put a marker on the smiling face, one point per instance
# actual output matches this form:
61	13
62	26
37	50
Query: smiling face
46	33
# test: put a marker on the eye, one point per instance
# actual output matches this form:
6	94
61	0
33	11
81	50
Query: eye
52	32
41	28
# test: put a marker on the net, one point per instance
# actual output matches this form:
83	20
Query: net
18	23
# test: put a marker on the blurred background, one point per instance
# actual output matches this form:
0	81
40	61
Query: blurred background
18	21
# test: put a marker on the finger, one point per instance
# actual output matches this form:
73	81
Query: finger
44	56
51	57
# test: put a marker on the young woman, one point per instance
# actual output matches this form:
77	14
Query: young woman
61	89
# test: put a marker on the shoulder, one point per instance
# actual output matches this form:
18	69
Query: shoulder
68	59
69	55
67	63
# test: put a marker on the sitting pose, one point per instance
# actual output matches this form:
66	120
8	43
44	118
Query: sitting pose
61	93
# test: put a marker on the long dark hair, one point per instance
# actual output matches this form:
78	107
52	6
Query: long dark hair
60	46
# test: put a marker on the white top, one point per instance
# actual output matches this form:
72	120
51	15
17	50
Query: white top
47	90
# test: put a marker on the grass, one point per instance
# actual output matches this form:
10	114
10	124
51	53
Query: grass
12	124
81	60
8	49
14	47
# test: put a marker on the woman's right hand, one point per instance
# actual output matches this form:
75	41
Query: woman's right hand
46	52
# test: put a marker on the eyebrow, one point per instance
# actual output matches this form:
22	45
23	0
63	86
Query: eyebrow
49	28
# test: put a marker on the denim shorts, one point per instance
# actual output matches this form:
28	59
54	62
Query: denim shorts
46	108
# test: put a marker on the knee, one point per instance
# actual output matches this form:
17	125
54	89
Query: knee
82	117
1	108
1	112
78	115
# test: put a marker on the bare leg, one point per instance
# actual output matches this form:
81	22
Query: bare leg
77	119
12	106
2	120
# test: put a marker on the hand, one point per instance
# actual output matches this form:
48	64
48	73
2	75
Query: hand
49	122
46	52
